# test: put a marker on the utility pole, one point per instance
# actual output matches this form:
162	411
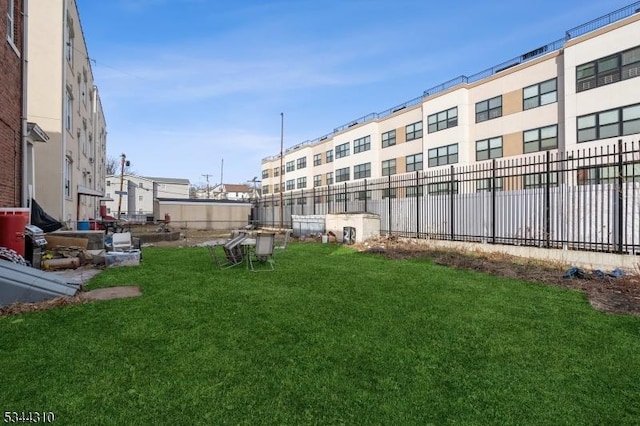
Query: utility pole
123	159
281	169
207	177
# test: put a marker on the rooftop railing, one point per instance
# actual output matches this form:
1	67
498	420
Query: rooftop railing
588	27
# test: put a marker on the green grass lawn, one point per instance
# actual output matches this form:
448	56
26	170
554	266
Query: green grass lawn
331	337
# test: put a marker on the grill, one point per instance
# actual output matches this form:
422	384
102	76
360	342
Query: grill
34	245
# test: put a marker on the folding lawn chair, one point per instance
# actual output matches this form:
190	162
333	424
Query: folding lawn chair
232	252
261	255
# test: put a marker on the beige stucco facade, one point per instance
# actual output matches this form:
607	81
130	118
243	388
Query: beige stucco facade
204	214
64	100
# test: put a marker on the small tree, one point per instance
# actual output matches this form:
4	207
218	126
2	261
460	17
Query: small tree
113	167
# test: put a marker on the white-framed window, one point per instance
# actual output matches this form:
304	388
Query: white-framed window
11	31
69	35
68	113
302	183
540	94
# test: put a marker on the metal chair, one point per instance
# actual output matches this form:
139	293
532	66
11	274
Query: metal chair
282	244
232	252
261	255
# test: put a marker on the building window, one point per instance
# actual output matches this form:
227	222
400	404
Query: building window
362	171
140	198
342	150
414	162
540	139
608	174
342	175
489	109
489	148
610	69
330	178
67	178
414	131
362	144
363	195
389	138
83	88
290	166
389	167
488	183
442	188
301	201
11	23
302	183
290	184
265	174
108	183
389	193
539	180
317	181
301	163
276	171
443	120
69	109
265	189
69	38
540	94
415	191
276	188
443	155
607	124
317	159
329	156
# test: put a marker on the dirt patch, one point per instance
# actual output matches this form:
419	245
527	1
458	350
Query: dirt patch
109	293
608	294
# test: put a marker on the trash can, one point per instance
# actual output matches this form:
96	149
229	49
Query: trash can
84	225
12	223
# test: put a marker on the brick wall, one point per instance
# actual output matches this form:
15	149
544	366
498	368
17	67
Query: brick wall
10	108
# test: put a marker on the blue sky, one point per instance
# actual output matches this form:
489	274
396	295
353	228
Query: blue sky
186	84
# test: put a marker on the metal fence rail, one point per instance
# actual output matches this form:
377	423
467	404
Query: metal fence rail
584	200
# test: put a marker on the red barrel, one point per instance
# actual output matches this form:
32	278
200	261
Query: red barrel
12	231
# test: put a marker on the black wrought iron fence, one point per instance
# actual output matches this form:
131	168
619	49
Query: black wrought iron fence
583	200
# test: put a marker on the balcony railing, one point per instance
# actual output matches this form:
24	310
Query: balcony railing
588	27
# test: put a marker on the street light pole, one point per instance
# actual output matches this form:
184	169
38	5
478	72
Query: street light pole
281	169
122	161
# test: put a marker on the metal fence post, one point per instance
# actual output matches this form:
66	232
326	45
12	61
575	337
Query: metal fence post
493	201
389	201
451	204
365	196
345	198
547	204
417	204
620	183
313	194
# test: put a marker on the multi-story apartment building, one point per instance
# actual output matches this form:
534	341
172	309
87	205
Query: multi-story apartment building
64	100
17	136
580	91
138	193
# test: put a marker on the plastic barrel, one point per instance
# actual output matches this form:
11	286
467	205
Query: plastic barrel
84	225
12	232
